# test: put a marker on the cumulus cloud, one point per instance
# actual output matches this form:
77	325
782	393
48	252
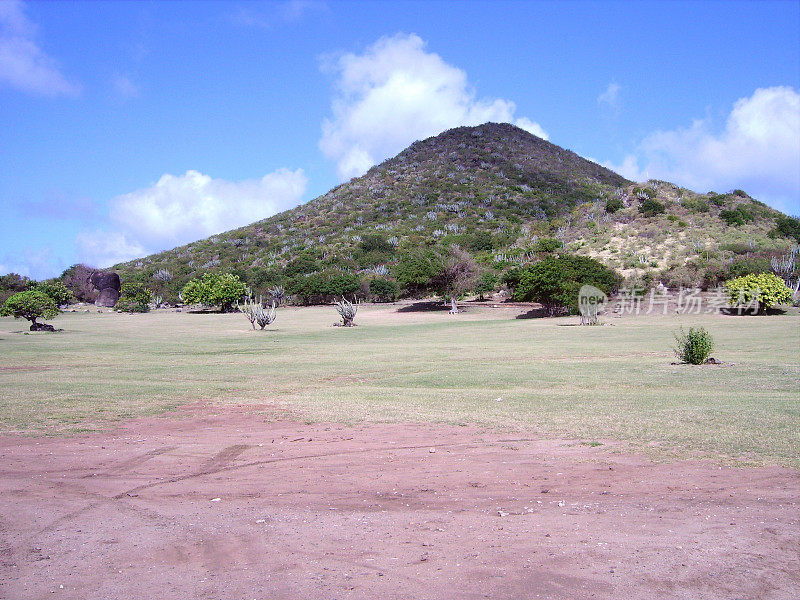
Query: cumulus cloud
23	64
395	93
102	249
179	209
758	150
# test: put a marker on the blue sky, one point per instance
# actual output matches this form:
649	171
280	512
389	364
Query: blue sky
132	127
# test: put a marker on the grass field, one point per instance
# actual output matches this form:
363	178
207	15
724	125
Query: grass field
588	383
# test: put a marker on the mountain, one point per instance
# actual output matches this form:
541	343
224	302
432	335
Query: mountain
497	190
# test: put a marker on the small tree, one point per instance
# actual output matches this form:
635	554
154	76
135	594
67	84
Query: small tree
556	281
30	305
347	310
787	267
486	283
212	289
76	279
417	268
134	298
760	292
459	275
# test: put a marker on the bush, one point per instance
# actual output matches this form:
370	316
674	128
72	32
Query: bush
214	289
487	281
416	269
555	281
76	280
548	245
511	278
613	205
737	216
320	288
752	265
760	292
695	346
30	305
651	208
481	241
788	227
695	205
385	290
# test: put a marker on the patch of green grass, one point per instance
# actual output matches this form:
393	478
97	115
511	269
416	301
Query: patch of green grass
480	367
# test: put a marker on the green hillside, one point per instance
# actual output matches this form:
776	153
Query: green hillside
503	194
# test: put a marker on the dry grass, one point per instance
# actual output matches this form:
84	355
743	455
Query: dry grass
582	382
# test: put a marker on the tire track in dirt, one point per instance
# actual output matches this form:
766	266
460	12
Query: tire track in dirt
214	465
133	462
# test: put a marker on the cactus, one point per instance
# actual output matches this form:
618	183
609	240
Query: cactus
256	313
347	310
278	294
787	268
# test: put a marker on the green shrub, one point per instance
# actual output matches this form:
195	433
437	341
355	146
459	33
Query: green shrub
214	289
613	205
416	268
737	216
555	281
695	205
481	241
695	346
548	245
760	292
385	290
651	208
788	227
486	283
750	265
321	288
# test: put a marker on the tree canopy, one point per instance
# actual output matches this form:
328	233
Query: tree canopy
555	281
30	305
214	289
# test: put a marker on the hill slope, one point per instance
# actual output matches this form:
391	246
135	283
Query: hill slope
495	189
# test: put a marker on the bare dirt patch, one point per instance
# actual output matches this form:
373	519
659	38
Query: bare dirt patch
225	503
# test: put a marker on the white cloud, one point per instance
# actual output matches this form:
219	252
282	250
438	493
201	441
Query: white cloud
179	209
102	249
395	93
758	151
184	208
23	64
610	97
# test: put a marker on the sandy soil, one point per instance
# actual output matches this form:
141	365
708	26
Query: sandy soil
215	503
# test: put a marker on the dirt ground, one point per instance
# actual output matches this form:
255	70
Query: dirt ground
213	503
